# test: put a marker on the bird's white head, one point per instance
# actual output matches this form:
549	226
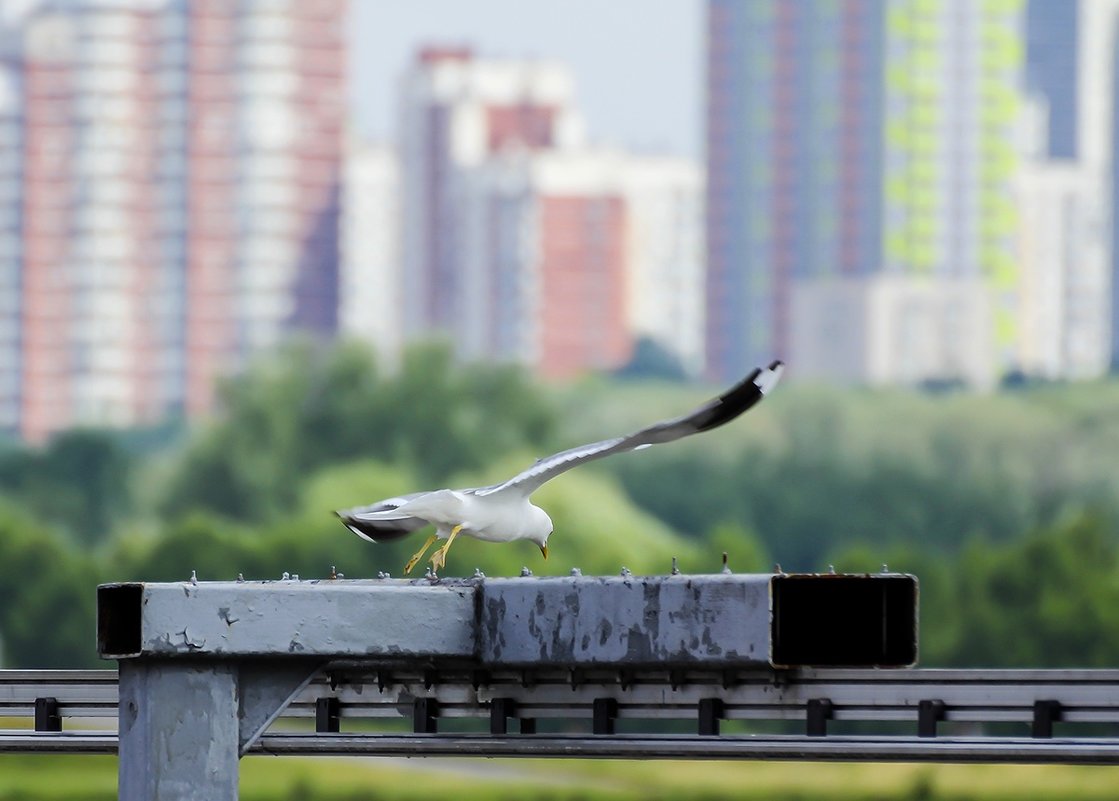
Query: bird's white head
538	528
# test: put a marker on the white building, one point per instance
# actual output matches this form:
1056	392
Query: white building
892	329
1063	192
370	295
665	280
1064	289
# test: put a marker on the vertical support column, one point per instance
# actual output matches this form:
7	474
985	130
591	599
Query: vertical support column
179	730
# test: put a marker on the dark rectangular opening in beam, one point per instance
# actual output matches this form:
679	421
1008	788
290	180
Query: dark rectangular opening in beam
824	620
118	619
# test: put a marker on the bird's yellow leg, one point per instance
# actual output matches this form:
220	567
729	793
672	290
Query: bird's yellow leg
419	554
439	558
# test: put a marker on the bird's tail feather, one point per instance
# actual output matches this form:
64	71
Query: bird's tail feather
386	526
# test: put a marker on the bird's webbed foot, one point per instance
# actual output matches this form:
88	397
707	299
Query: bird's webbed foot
418	555
439	558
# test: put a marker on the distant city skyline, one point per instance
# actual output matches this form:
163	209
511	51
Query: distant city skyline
895	190
638	66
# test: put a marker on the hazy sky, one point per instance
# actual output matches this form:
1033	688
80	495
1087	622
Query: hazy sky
637	63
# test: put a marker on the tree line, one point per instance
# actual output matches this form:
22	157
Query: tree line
1004	506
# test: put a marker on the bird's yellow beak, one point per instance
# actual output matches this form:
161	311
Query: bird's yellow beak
544	550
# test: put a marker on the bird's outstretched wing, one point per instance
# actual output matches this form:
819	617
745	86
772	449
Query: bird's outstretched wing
710	415
379	522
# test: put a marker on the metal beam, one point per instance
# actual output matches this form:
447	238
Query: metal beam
755	747
721	620
68	742
402	620
1075	751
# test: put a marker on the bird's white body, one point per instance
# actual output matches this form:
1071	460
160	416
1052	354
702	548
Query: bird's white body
501	517
503	512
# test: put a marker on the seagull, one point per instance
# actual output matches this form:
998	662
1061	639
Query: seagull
504	512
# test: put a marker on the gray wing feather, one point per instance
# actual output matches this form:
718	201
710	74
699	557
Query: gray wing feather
712	414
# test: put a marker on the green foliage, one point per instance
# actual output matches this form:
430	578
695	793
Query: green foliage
745	551
46	597
307	407
1048	599
1005	506
651	360
79	481
93	778
822	467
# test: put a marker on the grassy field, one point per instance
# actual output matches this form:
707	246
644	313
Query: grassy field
318	779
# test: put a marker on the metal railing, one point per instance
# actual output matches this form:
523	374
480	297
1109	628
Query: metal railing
927	715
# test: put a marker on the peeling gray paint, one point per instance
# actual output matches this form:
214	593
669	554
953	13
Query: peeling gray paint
719	620
577	620
342	618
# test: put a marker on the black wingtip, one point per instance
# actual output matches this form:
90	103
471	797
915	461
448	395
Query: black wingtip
742	396
364	530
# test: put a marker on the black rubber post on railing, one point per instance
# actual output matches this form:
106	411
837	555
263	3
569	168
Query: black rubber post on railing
605	711
819	713
1045	714
501	709
328	715
425	711
710	716
929	713
47	717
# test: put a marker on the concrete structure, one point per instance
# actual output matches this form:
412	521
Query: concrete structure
849	139
892	329
370	296
178	199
